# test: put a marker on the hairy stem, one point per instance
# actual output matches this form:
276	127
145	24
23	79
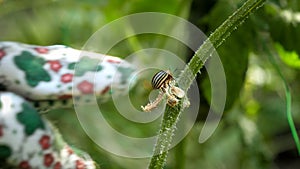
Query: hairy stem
171	114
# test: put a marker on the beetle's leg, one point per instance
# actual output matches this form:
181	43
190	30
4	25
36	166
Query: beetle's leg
150	106
177	92
172	101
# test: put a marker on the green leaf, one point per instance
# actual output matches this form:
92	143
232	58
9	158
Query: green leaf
290	58
234	58
233	53
284	25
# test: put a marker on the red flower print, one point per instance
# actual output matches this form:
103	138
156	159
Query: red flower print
85	87
57	165
106	89
41	50
65	96
80	164
45	142
66	78
69	150
24	165
48	159
113	61
2	53
54	65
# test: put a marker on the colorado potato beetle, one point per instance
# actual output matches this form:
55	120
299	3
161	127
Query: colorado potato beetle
164	81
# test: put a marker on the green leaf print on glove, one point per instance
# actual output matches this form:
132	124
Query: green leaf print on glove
5	152
33	68
2	87
30	118
125	74
85	64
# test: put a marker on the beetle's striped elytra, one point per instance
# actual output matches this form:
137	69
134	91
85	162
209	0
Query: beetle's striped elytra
164	81
161	78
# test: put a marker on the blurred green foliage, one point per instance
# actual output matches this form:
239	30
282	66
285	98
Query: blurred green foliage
253	133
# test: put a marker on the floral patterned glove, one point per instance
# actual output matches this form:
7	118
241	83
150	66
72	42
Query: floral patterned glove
49	76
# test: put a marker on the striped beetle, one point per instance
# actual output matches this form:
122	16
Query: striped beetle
164	81
161	79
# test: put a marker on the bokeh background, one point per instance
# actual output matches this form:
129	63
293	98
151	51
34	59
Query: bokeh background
254	131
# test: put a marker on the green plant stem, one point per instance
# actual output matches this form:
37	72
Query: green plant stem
288	96
171	114
180	154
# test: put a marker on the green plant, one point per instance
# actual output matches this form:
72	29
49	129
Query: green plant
172	114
